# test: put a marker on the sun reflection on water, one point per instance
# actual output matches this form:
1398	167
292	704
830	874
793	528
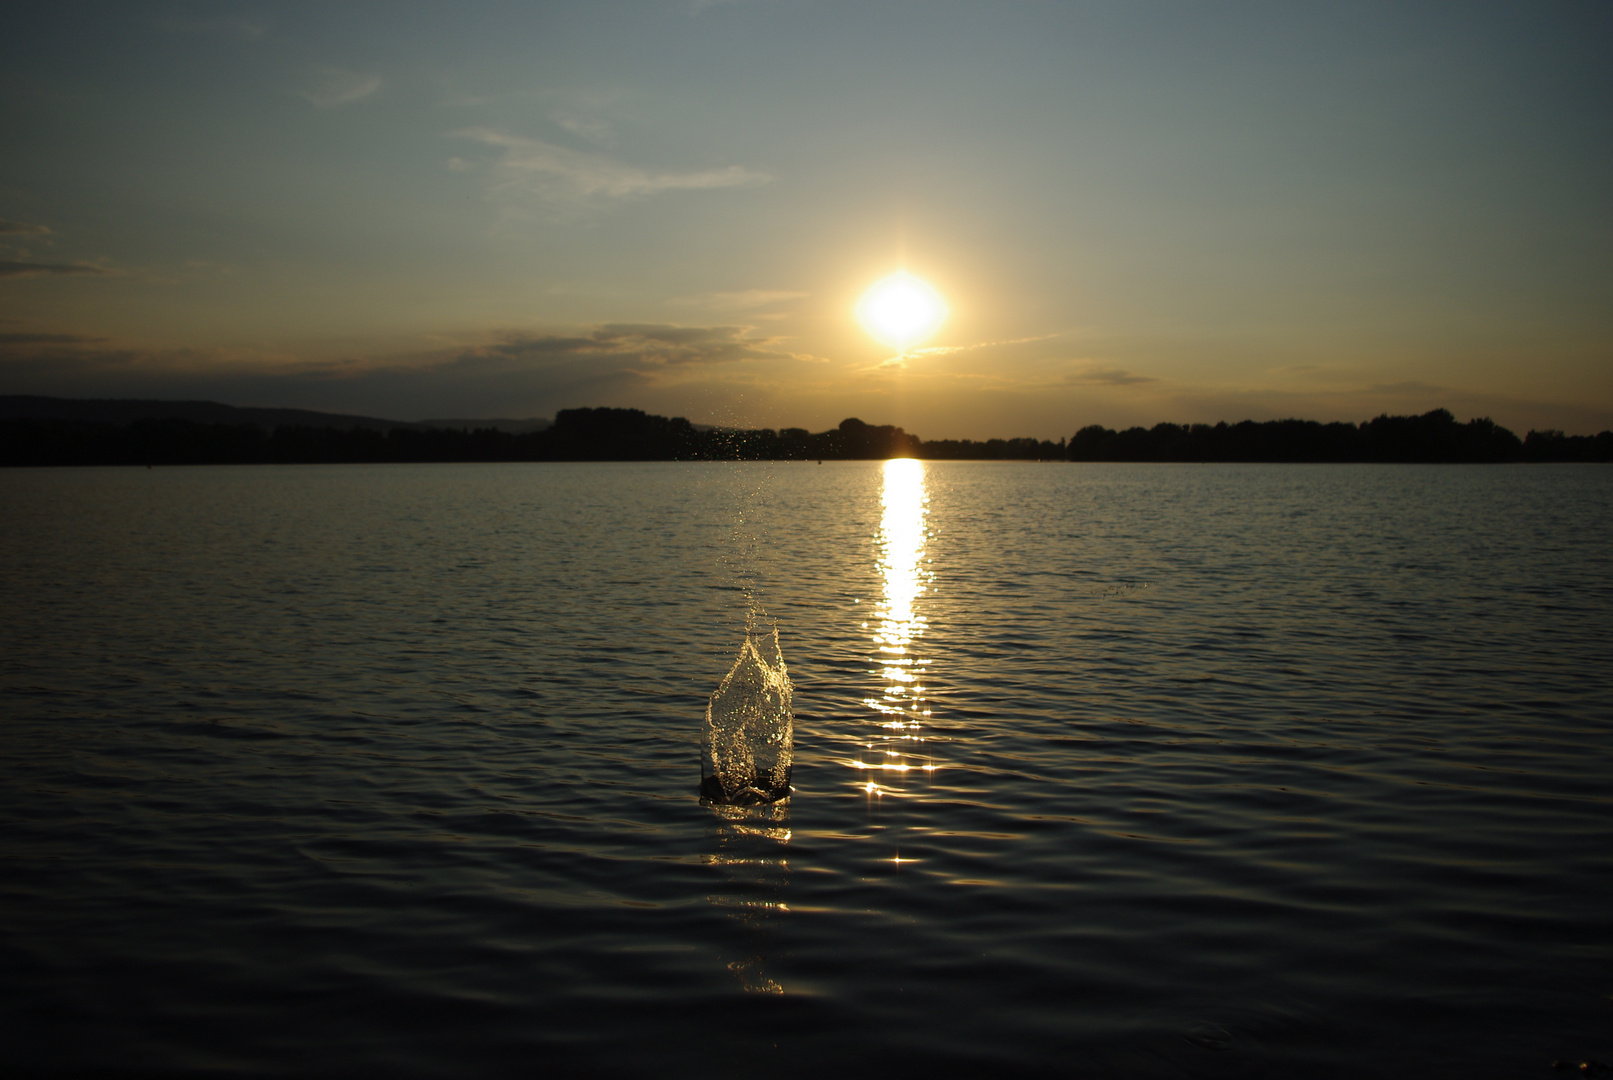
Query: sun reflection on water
897	627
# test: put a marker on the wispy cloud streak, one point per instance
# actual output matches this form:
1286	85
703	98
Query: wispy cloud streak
533	373
744	300
48	339
640	346
558	174
329	87
948	350
30	269
1108	376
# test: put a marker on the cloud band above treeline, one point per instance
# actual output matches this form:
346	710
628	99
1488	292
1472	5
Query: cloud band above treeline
540	371
728	374
19	268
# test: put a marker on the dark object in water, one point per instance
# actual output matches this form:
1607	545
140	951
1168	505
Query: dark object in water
711	791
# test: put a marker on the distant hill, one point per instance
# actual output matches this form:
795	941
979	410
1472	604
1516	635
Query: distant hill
123	411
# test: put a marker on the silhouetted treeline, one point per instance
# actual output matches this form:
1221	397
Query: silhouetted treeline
633	435
1432	437
1552	445
991	450
576	435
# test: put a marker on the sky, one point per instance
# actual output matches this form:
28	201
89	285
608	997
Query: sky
1136	212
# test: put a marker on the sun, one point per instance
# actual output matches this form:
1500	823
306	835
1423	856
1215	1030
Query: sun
901	310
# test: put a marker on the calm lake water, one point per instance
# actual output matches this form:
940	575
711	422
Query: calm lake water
1109	770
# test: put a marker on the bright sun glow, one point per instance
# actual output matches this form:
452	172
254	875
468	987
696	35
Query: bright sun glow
901	310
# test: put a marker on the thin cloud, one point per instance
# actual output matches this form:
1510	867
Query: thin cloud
948	350
32	269
618	349
48	339
746	299
595	131
899	362
54	363
1409	388
556	174
22	228
329	87
640	346
1108	376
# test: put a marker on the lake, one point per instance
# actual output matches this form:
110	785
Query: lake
1100	769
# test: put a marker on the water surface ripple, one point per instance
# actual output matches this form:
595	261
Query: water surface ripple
1237	770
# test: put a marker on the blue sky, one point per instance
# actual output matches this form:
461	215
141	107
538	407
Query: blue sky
1137	212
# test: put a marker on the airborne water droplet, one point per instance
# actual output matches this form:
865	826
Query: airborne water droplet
750	738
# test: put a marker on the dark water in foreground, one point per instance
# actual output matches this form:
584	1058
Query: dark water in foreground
1190	771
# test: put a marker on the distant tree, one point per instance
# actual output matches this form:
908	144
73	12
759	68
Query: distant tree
1091	443
616	435
1552	445
1433	437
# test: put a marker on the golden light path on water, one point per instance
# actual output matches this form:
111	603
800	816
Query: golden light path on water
897	627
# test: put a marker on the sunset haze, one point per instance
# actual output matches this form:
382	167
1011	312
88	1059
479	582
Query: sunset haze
1134	213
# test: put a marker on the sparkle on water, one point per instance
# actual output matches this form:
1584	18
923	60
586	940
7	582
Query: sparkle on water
901	707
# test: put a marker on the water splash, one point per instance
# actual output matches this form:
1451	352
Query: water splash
749	742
